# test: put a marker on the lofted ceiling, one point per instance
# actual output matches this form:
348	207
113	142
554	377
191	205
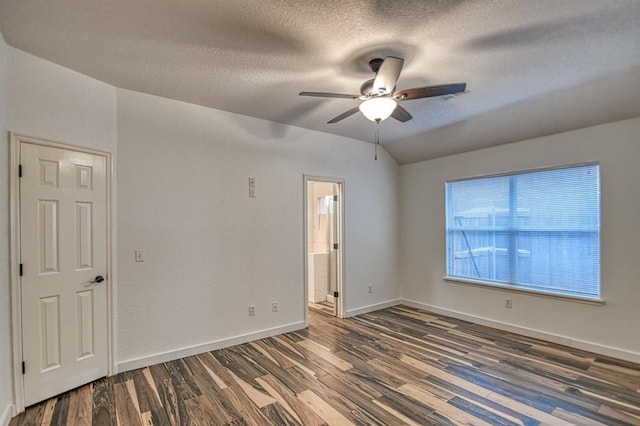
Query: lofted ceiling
532	68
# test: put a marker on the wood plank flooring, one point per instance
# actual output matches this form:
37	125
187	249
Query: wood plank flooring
391	367
325	307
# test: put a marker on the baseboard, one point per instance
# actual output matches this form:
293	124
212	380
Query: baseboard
530	332
132	364
5	418
158	358
374	307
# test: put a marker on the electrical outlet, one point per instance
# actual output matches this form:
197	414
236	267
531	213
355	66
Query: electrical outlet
370	288
252	310
139	256
508	303
274	306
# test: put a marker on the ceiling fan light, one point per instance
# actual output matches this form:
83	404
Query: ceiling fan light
378	109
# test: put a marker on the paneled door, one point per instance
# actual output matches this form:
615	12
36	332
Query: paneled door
63	256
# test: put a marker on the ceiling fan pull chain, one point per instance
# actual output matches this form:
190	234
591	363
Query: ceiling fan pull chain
377	140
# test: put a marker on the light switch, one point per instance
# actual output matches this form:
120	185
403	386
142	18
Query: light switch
139	256
252	187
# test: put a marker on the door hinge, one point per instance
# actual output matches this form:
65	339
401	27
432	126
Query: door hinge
21	269
335	198
24	367
335	294
335	246
19	170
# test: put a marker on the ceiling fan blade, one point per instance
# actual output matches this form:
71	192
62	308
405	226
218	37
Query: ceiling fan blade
387	75
429	91
401	114
344	115
328	95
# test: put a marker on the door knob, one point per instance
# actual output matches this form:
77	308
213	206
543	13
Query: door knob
97	280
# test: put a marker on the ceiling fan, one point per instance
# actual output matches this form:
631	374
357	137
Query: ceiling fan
379	101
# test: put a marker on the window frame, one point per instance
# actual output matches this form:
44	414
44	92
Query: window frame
514	287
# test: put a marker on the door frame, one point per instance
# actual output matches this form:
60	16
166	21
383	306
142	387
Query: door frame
14	270
341	284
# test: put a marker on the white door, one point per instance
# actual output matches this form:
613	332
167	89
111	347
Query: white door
335	246
63	238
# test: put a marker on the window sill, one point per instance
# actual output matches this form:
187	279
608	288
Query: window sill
517	289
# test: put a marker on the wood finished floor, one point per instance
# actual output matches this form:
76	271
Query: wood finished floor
324	307
391	367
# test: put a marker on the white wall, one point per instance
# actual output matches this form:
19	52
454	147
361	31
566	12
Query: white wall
5	320
55	103
210	249
51	102
611	328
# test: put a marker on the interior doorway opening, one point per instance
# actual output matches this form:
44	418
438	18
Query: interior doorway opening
323	246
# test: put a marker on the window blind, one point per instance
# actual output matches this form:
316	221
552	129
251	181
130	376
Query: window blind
538	230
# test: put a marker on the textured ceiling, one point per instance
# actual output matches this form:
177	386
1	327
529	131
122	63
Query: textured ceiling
532	68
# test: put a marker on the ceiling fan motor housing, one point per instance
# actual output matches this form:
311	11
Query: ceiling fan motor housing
375	63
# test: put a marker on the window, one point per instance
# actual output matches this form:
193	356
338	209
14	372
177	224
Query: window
536	230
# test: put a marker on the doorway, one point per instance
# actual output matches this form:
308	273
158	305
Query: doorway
60	196
324	245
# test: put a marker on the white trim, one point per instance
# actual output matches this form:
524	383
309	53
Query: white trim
341	285
374	307
145	361
520	289
14	227
525	171
112	290
16	301
530	332
305	250
5	418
